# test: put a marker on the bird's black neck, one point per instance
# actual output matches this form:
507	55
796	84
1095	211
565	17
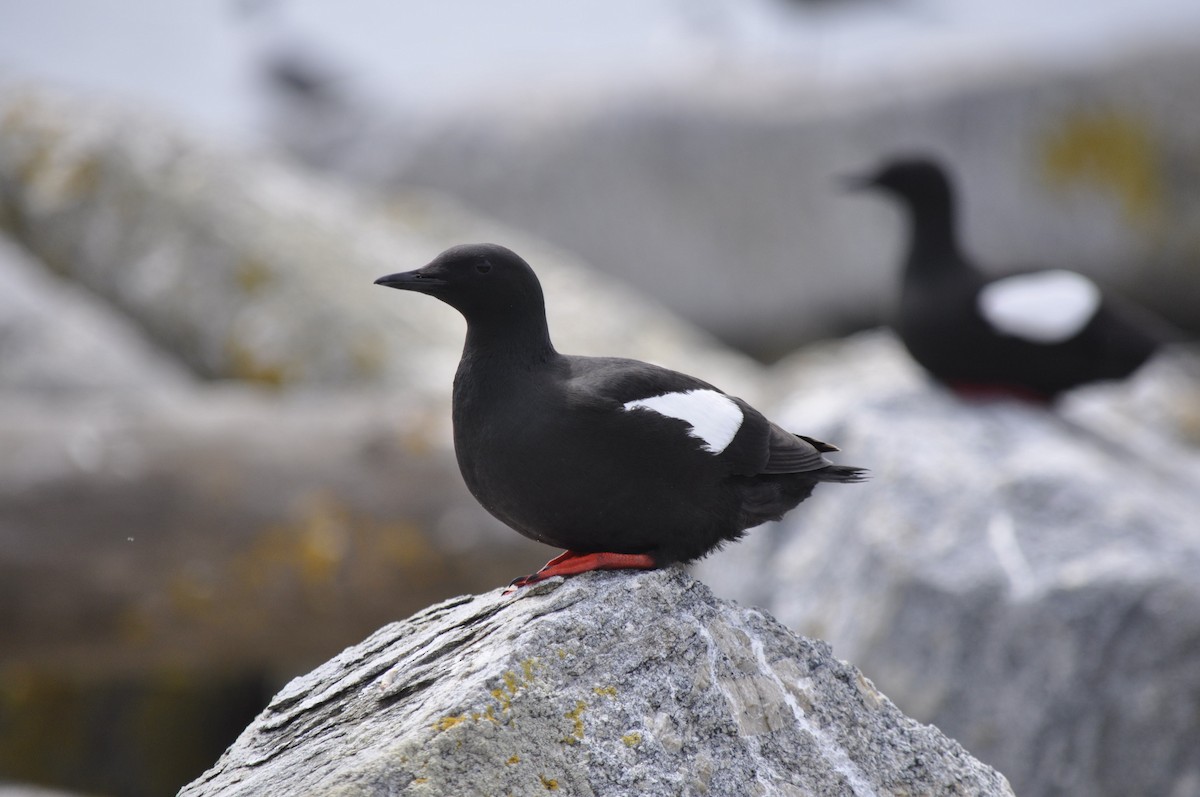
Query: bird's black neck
933	245
513	342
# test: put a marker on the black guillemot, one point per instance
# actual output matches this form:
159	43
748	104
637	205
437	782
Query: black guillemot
1031	335
622	463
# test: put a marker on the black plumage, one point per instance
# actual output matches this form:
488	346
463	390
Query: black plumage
1032	334
583	453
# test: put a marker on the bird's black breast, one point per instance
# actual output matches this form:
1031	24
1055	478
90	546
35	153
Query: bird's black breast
938	325
554	454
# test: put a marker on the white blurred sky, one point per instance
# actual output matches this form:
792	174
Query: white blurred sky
196	59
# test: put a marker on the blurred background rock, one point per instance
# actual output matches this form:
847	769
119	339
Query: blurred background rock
224	454
1025	580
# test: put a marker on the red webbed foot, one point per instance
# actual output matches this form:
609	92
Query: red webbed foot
571	563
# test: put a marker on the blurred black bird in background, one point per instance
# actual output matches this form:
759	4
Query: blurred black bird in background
1031	335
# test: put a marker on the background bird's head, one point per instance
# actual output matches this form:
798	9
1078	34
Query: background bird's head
915	178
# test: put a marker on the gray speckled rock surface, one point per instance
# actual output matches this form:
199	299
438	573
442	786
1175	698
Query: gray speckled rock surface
605	684
1020	578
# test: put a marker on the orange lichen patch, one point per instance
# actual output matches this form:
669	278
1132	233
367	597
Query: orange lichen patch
54	176
576	717
415	440
1111	151
446	723
310	550
632	739
369	355
83	177
412	213
250	366
253	274
512	682
550	784
39	158
513	759
14	116
1189	421
503	699
52	168
320	559
327	537
190	595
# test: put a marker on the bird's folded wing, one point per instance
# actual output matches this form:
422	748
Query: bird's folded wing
789	453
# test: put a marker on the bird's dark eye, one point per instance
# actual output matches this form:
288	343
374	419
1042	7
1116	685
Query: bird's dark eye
483	268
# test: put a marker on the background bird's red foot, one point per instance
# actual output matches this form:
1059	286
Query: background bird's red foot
571	563
980	391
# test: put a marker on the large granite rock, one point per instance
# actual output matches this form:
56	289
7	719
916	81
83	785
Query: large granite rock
1022	580
608	683
702	189
248	268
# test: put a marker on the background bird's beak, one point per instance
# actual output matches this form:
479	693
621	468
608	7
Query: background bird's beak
855	182
420	280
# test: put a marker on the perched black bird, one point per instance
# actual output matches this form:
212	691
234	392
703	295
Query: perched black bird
624	464
1031	335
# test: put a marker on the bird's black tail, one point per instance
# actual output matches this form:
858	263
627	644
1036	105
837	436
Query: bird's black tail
841	473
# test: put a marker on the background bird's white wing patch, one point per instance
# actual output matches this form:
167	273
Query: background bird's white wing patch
1046	307
714	417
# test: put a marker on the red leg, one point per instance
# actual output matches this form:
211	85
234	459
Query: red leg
571	563
562	557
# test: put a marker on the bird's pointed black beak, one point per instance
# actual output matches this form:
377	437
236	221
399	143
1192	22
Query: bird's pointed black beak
422	281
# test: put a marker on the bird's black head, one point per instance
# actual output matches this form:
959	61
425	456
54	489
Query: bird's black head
485	282
916	178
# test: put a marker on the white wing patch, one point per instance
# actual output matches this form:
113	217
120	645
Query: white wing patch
714	417
1046	307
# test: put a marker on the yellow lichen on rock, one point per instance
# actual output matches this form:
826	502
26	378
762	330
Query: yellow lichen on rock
576	717
446	723
1111	151
253	274
514	682
249	365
